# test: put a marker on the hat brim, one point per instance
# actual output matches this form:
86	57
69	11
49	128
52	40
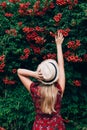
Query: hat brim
54	63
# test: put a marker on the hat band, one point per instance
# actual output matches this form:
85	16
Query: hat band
55	74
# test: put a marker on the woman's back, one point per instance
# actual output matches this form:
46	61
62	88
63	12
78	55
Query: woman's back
45	121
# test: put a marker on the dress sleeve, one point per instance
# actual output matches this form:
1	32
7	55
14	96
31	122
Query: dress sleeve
33	89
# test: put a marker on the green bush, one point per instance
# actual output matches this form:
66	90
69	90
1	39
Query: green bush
27	38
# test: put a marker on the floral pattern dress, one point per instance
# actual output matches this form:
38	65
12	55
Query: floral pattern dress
44	121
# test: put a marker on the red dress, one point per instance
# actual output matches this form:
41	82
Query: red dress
44	121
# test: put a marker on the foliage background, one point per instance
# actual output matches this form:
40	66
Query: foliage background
27	38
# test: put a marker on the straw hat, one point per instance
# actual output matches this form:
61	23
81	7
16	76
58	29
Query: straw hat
50	71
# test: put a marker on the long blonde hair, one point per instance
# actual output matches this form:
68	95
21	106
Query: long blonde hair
48	98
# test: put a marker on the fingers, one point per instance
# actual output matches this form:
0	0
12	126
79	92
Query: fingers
40	76
55	37
39	72
58	35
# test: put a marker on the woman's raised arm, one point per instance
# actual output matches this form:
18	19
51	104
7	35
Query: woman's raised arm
24	75
59	40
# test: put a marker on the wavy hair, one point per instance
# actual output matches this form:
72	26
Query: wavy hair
48	98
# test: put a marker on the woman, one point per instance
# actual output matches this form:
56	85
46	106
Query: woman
47	94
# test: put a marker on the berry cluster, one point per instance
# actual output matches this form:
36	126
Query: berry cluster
1	128
31	34
14	1
74	44
2	63
8	14
8	81
73	58
49	56
77	83
67	2
35	49
57	17
26	54
11	32
3	5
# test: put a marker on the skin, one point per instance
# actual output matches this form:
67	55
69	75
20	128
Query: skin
24	74
59	40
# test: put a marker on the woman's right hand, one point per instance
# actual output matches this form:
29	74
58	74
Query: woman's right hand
38	75
59	38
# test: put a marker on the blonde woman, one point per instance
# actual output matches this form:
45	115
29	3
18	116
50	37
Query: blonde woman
48	92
